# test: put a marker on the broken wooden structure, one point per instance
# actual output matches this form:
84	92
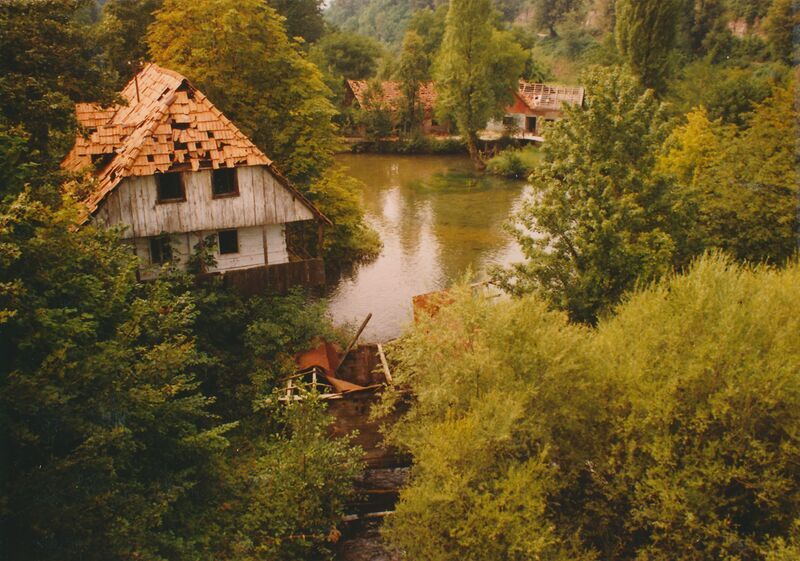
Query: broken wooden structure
182	179
534	106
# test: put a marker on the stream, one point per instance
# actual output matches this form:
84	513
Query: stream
437	219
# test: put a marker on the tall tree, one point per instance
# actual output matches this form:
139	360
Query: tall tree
780	26
238	53
303	18
123	32
104	429
50	59
600	218
476	70
645	34
548	13
412	70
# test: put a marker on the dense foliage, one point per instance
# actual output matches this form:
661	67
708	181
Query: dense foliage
239	55
616	202
137	418
645	33
138	421
476	70
601	219
50	60
742	183
669	432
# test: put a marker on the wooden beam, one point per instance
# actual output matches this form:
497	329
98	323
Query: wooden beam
353	342
385	365
320	238
266	245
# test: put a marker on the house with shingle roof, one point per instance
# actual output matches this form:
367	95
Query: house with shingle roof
533	107
174	171
388	95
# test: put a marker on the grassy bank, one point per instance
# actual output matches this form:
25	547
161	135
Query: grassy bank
516	163
417	145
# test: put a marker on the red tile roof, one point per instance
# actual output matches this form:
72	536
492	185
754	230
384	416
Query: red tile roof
392	93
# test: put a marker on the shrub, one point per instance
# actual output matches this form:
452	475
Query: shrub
669	432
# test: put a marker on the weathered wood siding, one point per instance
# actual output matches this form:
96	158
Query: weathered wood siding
251	250
261	200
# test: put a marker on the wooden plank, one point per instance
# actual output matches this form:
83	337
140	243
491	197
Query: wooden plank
385	365
266	244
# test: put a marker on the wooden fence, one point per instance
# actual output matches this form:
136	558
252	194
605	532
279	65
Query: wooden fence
309	273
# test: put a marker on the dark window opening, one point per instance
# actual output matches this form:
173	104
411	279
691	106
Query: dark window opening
228	241
530	124
170	187
223	182
509	121
160	250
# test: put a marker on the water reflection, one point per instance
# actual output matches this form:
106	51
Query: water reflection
433	229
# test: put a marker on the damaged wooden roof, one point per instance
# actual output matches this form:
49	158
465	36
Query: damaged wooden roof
167	125
545	96
392	93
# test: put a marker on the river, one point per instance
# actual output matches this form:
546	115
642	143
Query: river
437	219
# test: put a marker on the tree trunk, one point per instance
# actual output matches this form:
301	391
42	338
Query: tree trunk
474	153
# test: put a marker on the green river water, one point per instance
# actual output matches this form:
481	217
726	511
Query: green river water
436	219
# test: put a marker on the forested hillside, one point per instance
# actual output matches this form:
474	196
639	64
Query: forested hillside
386	20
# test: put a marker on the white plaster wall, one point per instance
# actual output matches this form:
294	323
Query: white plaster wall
251	250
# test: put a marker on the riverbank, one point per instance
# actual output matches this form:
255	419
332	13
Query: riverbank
421	145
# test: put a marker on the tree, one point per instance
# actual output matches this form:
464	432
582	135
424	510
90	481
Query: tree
669	432
50	60
500	441
600	218
476	70
303	18
139	421
411	73
105	430
429	24
780	25
238	54
742	184
727	93
123	30
548	13
337	195
645	34
707	24
348	56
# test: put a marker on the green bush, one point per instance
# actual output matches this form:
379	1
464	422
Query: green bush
516	163
669	432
